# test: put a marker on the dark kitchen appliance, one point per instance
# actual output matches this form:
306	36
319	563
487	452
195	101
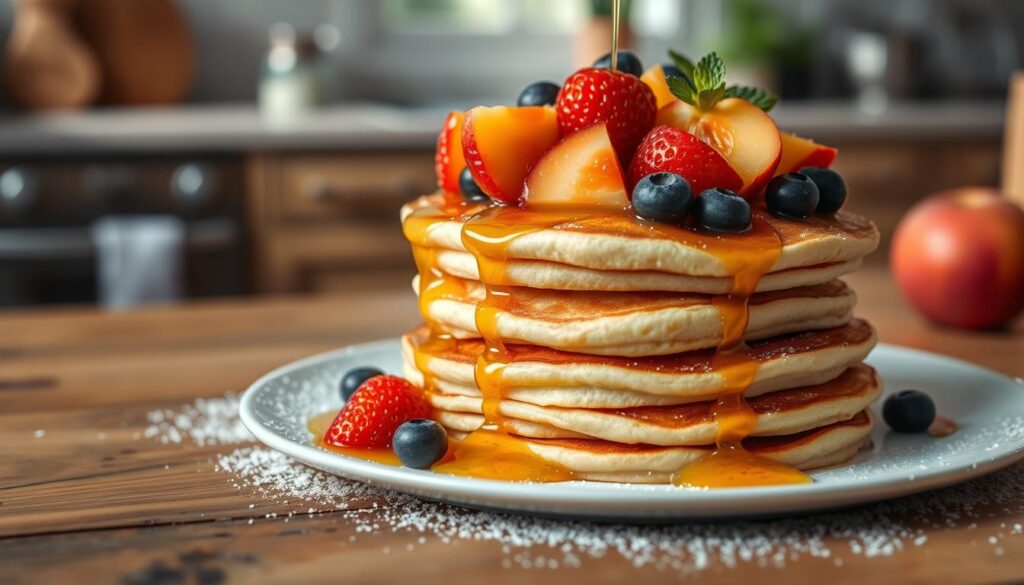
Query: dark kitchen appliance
77	231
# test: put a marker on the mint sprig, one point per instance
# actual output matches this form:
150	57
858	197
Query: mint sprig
703	85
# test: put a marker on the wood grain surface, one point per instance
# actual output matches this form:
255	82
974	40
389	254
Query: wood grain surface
92	502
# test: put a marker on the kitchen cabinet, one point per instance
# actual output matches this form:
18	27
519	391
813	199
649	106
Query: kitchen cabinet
330	221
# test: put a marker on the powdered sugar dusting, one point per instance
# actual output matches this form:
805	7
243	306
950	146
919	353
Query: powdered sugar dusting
883	529
211	421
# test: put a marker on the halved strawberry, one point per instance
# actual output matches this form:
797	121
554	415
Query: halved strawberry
502	143
370	417
798	153
667	149
582	170
448	158
623	102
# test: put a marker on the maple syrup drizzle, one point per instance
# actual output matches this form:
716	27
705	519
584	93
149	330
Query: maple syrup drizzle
730	464
491	452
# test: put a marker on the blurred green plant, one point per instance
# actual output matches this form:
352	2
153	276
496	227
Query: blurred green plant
756	33
604	8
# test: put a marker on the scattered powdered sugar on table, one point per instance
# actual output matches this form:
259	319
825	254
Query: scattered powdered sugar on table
882	529
207	421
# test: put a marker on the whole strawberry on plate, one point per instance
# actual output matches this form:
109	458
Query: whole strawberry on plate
621	101
370	417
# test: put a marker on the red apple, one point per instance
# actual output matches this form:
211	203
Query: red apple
581	170
741	132
798	153
448	158
502	143
959	258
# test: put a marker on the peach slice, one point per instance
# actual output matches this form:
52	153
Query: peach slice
448	158
798	153
582	170
741	132
655	79
502	143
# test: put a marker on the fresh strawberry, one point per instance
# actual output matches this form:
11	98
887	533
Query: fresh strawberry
448	159
677	151
369	418
624	103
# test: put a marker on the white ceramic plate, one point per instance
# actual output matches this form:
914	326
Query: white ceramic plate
988	407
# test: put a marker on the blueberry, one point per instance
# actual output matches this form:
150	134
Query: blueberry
540	93
420	443
629	62
664	197
470	190
831	189
670	70
792	195
722	210
909	411
354	378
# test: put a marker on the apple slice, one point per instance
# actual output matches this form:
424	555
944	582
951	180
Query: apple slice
582	170
655	79
798	153
740	131
502	143
448	158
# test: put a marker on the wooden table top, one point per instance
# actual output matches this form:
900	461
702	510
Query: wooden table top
85	498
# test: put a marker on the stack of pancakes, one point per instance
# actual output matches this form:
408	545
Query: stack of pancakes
593	338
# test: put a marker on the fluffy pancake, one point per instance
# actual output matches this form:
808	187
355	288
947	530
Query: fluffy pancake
619	242
778	413
597	460
556	276
548	377
635	323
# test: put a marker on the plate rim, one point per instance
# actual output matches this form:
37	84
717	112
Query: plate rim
619	501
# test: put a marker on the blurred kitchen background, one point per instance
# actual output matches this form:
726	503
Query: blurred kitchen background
155	150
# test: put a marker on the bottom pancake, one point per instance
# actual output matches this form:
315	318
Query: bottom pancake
597	460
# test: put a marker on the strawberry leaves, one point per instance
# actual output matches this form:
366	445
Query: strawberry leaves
703	85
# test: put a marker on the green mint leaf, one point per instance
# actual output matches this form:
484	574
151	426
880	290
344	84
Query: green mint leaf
709	72
709	97
682	89
682	62
763	99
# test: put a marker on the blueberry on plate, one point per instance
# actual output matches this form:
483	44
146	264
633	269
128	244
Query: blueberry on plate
629	62
831	189
354	378
420	443
722	210
664	197
792	195
540	93
470	190
909	411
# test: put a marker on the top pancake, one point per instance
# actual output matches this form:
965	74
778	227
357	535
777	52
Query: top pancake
616	241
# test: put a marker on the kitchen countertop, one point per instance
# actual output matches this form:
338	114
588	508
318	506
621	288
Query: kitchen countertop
89	494
240	128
